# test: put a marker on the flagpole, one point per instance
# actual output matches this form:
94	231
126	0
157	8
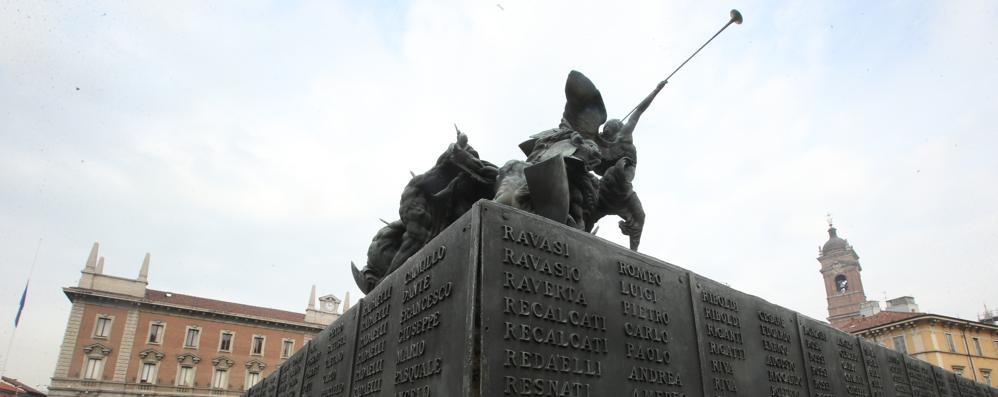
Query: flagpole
31	270
10	342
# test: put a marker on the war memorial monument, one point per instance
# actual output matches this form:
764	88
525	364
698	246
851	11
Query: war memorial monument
491	284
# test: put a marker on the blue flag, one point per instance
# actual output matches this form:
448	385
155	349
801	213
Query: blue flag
20	306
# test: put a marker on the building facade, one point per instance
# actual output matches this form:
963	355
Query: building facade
124	339
968	348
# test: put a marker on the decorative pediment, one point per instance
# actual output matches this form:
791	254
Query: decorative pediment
222	362
188	358
255	366
96	350
151	356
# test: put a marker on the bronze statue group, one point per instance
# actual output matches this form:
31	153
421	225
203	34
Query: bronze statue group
574	174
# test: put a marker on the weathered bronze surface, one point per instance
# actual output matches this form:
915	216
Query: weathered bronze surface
565	313
833	359
289	380
268	386
506	303
748	347
557	180
329	357
945	382
416	328
922	381
969	388
885	370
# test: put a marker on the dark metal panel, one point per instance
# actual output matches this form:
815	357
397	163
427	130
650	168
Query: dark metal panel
414	335
564	313
329	360
833	359
945	382
885	370
969	388
899	375
269	384
920	375
748	347
292	369
876	373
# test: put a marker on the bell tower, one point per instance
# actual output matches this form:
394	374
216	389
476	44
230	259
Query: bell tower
843	284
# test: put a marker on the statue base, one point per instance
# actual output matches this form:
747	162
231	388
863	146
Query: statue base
506	303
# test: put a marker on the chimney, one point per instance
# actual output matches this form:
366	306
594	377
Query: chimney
902	304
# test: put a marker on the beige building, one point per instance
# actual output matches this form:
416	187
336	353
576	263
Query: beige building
968	348
124	339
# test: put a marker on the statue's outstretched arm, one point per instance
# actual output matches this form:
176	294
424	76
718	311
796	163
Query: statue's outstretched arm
632	120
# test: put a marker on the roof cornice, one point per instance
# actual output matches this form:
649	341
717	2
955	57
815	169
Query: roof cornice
933	318
74	293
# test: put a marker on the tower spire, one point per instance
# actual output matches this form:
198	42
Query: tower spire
346	301
91	265
840	270
831	226
100	265
144	270
311	299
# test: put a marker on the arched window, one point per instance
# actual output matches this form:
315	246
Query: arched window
94	356
254	370
221	378
186	368
149	363
841	284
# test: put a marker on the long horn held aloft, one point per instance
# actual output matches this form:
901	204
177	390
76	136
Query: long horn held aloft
736	17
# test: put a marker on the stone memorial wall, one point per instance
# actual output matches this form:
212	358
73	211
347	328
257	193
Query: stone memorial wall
329	359
834	360
748	347
563	316
969	388
945	382
504	303
920	378
416	328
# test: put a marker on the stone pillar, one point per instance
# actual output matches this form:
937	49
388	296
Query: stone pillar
127	342
916	341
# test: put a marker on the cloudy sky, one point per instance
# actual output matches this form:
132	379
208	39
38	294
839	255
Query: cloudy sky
251	146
